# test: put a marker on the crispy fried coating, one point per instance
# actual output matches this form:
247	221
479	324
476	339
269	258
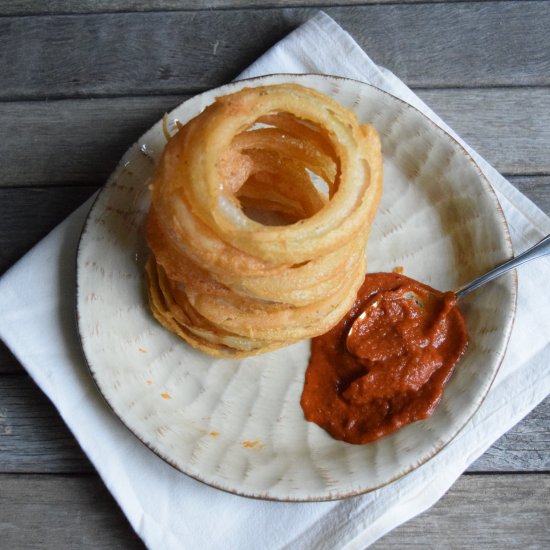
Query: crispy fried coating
261	210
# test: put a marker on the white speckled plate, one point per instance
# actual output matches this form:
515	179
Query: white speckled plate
237	424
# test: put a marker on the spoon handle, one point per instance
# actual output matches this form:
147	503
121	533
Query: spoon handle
542	248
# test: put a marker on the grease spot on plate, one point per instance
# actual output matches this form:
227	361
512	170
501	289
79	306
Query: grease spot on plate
252	444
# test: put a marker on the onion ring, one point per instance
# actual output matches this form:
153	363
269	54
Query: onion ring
261	210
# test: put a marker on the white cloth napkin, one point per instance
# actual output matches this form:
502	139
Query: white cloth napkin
171	511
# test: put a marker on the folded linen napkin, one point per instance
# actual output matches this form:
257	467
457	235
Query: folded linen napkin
170	510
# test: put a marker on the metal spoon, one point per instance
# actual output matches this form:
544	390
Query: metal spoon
542	248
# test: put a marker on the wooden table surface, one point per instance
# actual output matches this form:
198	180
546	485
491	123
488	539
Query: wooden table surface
80	82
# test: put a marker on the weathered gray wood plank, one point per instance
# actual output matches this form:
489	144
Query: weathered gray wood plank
34	439
80	141
489	512
499	43
27	215
47	512
493	512
72	141
535	188
526	447
52	7
509	127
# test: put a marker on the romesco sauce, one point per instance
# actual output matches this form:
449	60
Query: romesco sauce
393	367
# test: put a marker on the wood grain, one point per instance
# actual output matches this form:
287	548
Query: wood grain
34	439
39	7
77	512
81	141
535	188
508	127
26	216
489	512
175	52
525	447
73	141
62	512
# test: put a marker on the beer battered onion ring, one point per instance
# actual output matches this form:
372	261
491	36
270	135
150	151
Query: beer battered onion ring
260	214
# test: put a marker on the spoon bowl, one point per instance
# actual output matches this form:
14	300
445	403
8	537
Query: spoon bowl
542	248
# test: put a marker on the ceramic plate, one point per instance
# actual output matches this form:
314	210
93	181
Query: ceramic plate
237	424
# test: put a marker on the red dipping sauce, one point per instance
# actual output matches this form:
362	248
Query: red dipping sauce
393	368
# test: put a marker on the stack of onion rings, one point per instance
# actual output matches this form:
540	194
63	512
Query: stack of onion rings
230	284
